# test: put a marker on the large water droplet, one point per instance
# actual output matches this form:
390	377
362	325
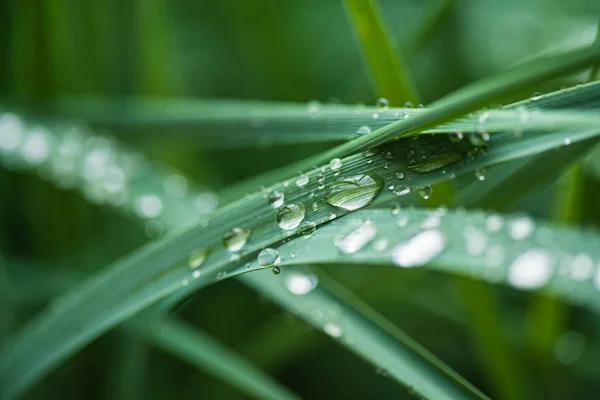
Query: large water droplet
521	228
335	164
419	249
354	192
197	258
530	270
356	240
276	199
299	283
425	192
236	238
383	103
268	257
363	130
290	216
302	180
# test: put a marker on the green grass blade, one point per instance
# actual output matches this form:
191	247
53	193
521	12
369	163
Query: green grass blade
388	70
202	351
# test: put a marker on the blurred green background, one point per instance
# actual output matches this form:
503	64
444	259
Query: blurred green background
277	51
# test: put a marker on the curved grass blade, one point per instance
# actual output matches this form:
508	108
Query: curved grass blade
161	268
202	351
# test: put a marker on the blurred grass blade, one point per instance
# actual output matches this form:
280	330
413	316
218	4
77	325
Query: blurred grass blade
388	70
202	351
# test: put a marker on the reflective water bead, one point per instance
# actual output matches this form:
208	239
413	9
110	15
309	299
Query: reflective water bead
290	216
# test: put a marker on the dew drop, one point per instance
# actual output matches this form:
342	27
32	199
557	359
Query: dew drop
276	199
302	180
494	223
530	270
383	103
196	274
387	155
300	284
335	164
197	258
149	206
357	239
36	148
290	216
479	138
313	108
425	192
276	270
315	206
521	228
456	137
236	238
403	191
11	132
581	267
567	141
399	175
332	329
375	115
480	174
475	241
408	104
354	192
364	130
176	185
308	228
268	257
419	249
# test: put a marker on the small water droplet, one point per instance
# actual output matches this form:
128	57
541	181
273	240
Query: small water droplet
357	239
383	103
381	244
335	164
581	267
290	216
176	185
402	221
268	257
276	199
399	175
302	180
197	258
308	228
364	130
196	274
300	284
480	174
395	209
425	192
419	249
536	96
387	155
11	132
375	115
475	241
276	270
521	228
567	141
332	329
315	206
479	138
530	270
354	192
494	223
408	104
403	191
456	137
313	108
149	206
236	238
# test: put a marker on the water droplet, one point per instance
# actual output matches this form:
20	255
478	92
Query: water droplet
364	130
300	284
332	329
475	241
375	115
395	209
480	174
36	148
387	155
403	191
313	108
521	228
494	223
479	138
176	185
276	199
425	192
197	258
357	239
381	244
11	132
354	192
383	103
419	249
402	221
332	217
581	268
335	164
308	228
536	96
196	274
408	104
399	175
154	229
268	257
456	137
315	206
569	347
148	206
530	270
567	141
276	270
302	180
236	238
205	203
290	216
